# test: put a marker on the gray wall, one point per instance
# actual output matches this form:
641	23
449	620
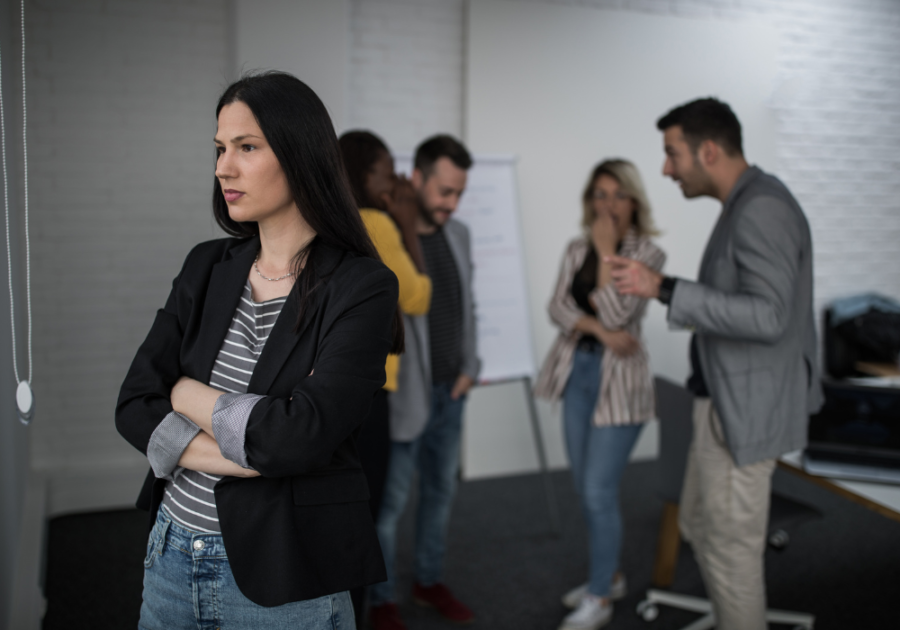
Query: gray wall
307	38
13	435
836	101
122	116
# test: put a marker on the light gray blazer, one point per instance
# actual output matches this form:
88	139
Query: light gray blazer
410	405
752	311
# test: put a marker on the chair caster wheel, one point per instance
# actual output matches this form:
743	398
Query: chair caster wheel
647	610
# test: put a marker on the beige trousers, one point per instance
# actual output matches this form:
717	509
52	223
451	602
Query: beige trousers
724	514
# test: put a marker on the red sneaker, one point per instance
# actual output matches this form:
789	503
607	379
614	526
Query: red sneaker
385	617
440	598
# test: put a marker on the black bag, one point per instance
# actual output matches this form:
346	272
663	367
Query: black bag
873	336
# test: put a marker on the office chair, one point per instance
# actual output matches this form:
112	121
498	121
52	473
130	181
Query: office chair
674	408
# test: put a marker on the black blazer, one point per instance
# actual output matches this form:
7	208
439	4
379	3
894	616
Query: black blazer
302	529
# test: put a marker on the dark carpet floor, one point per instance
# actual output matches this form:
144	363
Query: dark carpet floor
505	564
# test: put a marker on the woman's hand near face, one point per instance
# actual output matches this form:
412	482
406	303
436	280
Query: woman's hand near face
401	203
403	206
605	238
604	234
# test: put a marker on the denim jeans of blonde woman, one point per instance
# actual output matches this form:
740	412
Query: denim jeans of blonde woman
724	514
188	585
597	457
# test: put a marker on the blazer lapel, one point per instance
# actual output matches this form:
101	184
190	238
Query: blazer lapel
226	283
283	339
724	223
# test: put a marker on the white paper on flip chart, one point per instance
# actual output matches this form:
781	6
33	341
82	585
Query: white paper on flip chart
489	209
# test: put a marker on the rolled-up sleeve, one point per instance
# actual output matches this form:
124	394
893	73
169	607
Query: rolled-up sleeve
168	442
229	423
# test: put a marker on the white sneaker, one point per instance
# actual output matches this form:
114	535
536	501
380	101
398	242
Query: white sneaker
591	614
617	590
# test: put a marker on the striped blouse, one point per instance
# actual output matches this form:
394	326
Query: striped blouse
626	386
189	494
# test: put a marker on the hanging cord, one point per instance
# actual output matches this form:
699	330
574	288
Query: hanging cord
12	309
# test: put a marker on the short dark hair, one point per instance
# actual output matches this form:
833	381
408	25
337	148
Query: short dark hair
361	149
706	119
436	147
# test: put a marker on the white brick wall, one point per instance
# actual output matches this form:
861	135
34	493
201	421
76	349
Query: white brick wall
406	69
837	106
121	120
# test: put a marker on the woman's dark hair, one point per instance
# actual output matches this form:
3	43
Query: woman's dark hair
361	149
297	127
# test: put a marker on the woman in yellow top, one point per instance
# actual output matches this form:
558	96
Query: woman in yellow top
389	208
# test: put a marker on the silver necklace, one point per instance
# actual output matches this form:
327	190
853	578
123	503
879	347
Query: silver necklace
287	275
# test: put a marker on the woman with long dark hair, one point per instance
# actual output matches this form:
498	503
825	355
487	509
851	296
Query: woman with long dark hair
251	386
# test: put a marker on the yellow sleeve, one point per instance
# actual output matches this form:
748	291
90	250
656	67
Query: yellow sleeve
415	287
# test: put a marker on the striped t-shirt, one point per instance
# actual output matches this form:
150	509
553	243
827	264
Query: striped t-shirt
189	497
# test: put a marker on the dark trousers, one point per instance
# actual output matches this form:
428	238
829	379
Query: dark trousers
374	446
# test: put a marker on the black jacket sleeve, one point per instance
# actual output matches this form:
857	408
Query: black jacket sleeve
144	396
299	434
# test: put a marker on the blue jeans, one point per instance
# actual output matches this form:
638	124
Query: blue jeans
597	456
188	585
436	455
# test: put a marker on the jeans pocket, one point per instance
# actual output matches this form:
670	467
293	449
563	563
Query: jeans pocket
151	551
155	543
715	428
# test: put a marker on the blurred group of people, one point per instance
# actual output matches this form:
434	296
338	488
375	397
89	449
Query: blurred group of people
304	372
417	425
754	371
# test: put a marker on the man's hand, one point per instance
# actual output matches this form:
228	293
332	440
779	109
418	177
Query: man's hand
634	278
461	387
401	203
603	234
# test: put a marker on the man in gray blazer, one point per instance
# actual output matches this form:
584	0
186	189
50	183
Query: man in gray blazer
753	353
436	371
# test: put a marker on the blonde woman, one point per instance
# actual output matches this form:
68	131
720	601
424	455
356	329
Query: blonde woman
599	368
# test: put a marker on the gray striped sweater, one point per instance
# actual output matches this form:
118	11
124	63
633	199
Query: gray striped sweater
189	494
